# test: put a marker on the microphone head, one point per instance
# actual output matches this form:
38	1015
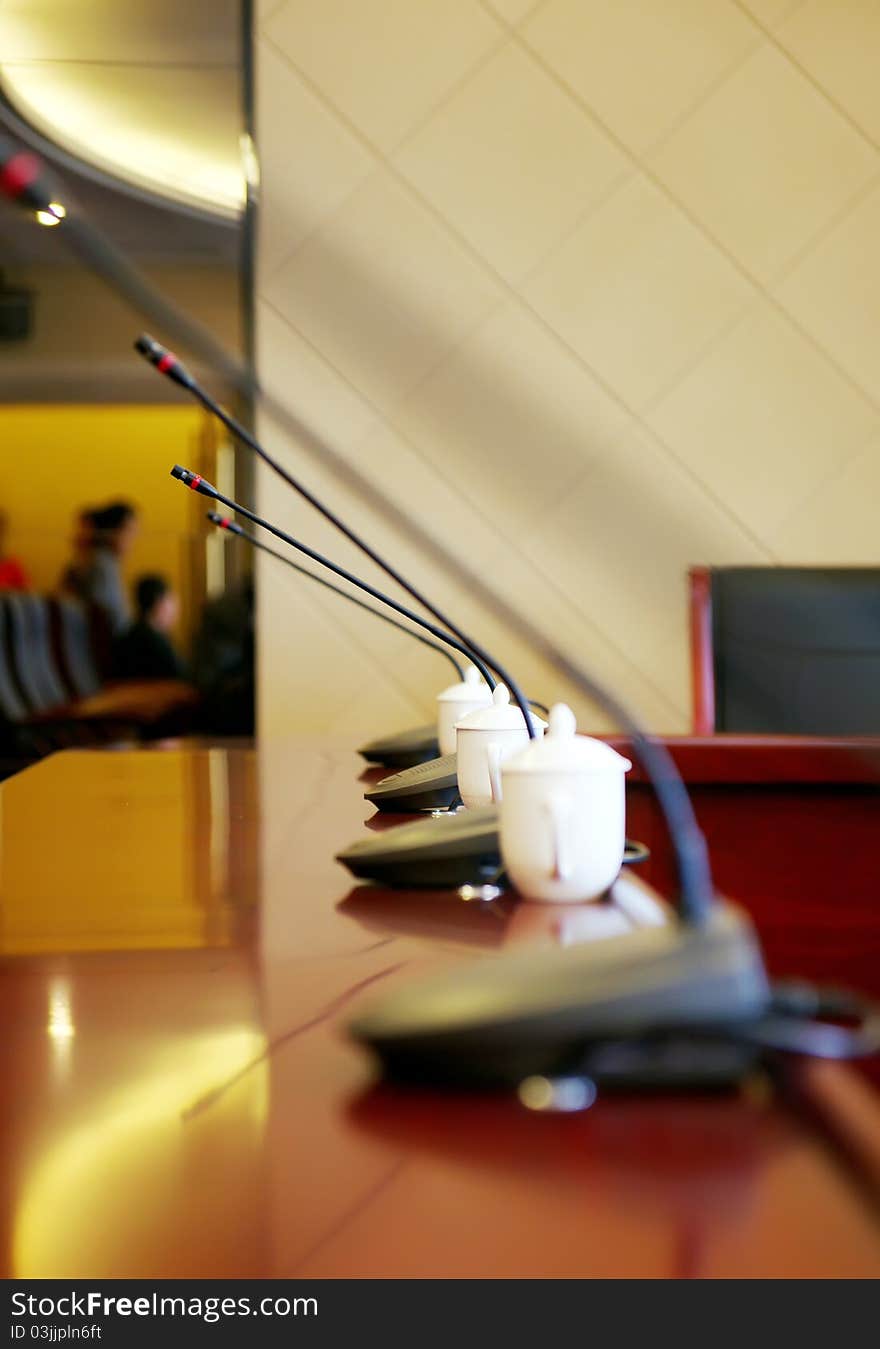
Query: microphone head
164	360
194	481
23	176
149	348
224	522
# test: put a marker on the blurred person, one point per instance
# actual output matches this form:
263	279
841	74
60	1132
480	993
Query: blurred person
104	537
83	542
12	574
145	649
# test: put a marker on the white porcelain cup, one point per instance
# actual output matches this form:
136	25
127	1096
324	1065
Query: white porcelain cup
562	815
458	701
484	739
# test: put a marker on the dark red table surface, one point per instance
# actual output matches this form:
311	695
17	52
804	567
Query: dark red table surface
180	954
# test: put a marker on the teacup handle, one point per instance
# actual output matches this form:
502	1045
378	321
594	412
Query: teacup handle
493	756
558	810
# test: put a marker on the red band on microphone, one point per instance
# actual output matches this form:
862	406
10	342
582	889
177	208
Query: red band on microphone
166	362
194	481
19	174
225	523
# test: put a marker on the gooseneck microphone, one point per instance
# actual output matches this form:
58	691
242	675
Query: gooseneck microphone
197	483
223	522
168	364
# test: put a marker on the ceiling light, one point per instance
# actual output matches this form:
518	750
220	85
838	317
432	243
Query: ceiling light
175	136
53	215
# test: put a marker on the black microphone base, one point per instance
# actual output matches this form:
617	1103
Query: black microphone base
664	1061
406	749
670	1061
427	786
457	849
440	854
668	1005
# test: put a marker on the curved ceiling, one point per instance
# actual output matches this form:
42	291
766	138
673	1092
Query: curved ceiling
148	91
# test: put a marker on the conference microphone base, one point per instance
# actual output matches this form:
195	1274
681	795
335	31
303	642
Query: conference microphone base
460	848
668	1005
428	786
405	749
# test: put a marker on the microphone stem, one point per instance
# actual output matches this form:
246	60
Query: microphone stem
480	657
352	599
357	582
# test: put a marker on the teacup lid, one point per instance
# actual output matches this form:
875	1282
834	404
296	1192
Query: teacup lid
561	750
473	688
500	715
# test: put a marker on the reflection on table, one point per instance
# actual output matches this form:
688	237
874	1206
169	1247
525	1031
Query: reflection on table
181	1098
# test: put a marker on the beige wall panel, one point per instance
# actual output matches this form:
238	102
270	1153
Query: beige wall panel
837	524
621	543
834	293
383	291
837	46
762	418
640	64
637	291
384	64
512	161
512	418
771	13
512	11
591	290
765	163
320	161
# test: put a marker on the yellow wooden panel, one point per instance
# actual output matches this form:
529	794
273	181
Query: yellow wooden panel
57	459
114	851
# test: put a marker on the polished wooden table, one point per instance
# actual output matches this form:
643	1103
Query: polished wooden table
180	952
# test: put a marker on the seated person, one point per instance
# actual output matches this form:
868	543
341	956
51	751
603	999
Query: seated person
104	537
145	650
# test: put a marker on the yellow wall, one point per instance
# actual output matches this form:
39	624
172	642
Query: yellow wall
593	289
54	460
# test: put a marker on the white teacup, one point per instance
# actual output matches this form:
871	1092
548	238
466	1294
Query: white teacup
458	701
562	815
484	739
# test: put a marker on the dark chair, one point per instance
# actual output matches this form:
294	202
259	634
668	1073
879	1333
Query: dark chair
51	696
12	706
786	650
22	739
72	645
33	659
